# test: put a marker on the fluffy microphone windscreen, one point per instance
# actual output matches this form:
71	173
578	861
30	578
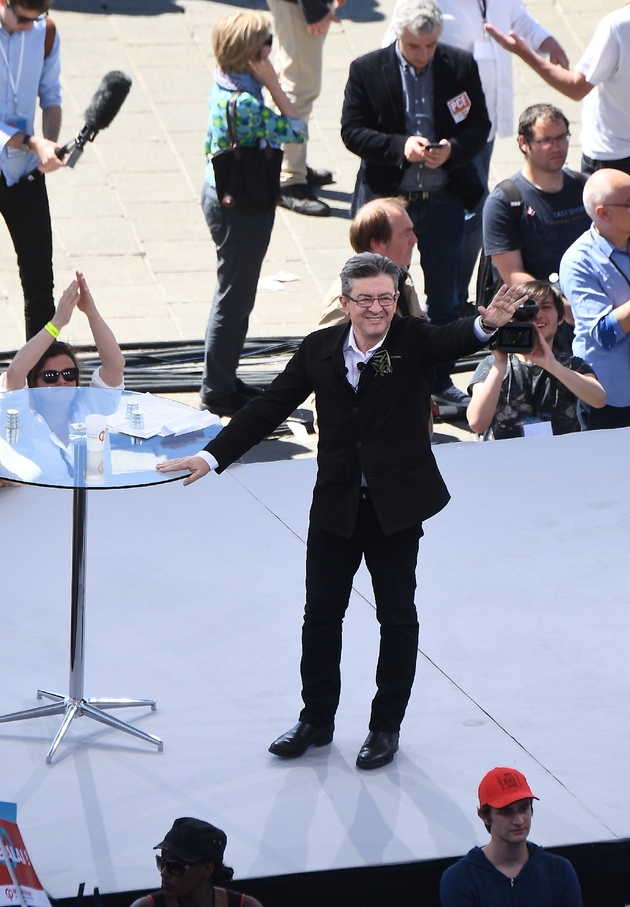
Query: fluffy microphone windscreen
108	99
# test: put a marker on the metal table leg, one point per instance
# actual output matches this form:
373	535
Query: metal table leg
74	705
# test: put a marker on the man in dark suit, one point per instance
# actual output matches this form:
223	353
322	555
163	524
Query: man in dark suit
377	481
415	113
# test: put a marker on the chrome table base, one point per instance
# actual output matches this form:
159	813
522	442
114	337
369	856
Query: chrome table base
91	708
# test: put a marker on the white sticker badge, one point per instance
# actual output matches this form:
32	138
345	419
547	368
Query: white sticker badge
459	106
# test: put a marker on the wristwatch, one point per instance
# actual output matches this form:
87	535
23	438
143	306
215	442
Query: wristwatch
25	141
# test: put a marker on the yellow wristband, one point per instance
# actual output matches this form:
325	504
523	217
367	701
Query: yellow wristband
52	330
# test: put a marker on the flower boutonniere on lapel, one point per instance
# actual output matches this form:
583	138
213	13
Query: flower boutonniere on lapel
381	362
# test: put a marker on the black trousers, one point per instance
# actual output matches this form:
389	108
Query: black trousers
25	210
331	563
608	417
590	166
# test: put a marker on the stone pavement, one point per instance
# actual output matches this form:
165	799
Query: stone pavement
128	214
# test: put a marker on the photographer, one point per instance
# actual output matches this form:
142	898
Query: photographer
512	390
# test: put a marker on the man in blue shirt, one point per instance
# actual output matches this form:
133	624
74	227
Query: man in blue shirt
29	69
595	278
509	870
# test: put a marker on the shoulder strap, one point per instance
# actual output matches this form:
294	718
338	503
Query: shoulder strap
230	114
235	898
513	195
580	177
49	39
157	898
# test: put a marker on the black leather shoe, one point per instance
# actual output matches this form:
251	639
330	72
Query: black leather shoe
296	741
319	177
227	405
379	749
301	198
250	390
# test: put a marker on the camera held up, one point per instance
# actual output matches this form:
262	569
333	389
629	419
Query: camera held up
519	335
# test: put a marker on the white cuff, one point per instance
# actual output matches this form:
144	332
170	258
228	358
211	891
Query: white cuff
480	334
210	460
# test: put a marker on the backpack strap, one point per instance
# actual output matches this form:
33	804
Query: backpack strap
580	177
49	39
513	194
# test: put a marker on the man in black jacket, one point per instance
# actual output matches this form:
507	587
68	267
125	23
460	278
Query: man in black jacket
415	113
377	481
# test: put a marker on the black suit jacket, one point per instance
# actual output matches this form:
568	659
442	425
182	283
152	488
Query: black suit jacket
379	431
373	119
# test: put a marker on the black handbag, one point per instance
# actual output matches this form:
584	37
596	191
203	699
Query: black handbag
247	179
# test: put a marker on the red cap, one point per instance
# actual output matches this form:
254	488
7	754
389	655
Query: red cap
503	786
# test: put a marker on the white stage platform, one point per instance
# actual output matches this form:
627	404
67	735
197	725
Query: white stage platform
195	597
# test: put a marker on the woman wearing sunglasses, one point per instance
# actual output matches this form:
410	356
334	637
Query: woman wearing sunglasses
192	870
45	361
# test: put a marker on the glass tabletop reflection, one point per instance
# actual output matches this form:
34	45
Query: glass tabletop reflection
87	437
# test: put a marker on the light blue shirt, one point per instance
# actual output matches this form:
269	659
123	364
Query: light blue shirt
595	278
25	76
418	93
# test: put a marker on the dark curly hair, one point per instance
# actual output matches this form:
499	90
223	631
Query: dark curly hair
56	348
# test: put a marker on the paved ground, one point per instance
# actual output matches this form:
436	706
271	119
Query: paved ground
129	213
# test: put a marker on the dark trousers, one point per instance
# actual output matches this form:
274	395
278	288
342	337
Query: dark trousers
590	166
608	417
24	207
331	563
241	241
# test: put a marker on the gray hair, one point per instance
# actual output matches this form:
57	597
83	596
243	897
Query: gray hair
418	16
367	264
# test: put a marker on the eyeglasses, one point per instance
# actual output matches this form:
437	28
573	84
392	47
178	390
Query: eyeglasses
547	142
268	42
175	867
25	20
51	375
617	205
364	301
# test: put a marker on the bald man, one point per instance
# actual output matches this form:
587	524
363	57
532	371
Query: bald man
595	278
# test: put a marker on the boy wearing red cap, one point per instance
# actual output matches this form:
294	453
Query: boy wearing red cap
509	870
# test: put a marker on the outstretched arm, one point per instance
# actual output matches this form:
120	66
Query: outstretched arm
32	351
112	359
570	83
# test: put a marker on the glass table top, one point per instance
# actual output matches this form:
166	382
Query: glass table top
53	436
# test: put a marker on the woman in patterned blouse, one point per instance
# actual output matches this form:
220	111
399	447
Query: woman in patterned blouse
242	44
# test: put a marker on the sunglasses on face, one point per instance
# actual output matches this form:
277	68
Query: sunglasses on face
24	20
175	867
268	42
51	375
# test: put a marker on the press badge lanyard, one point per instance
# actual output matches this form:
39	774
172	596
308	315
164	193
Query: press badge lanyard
14	82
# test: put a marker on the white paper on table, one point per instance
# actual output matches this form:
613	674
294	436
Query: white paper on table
161	417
